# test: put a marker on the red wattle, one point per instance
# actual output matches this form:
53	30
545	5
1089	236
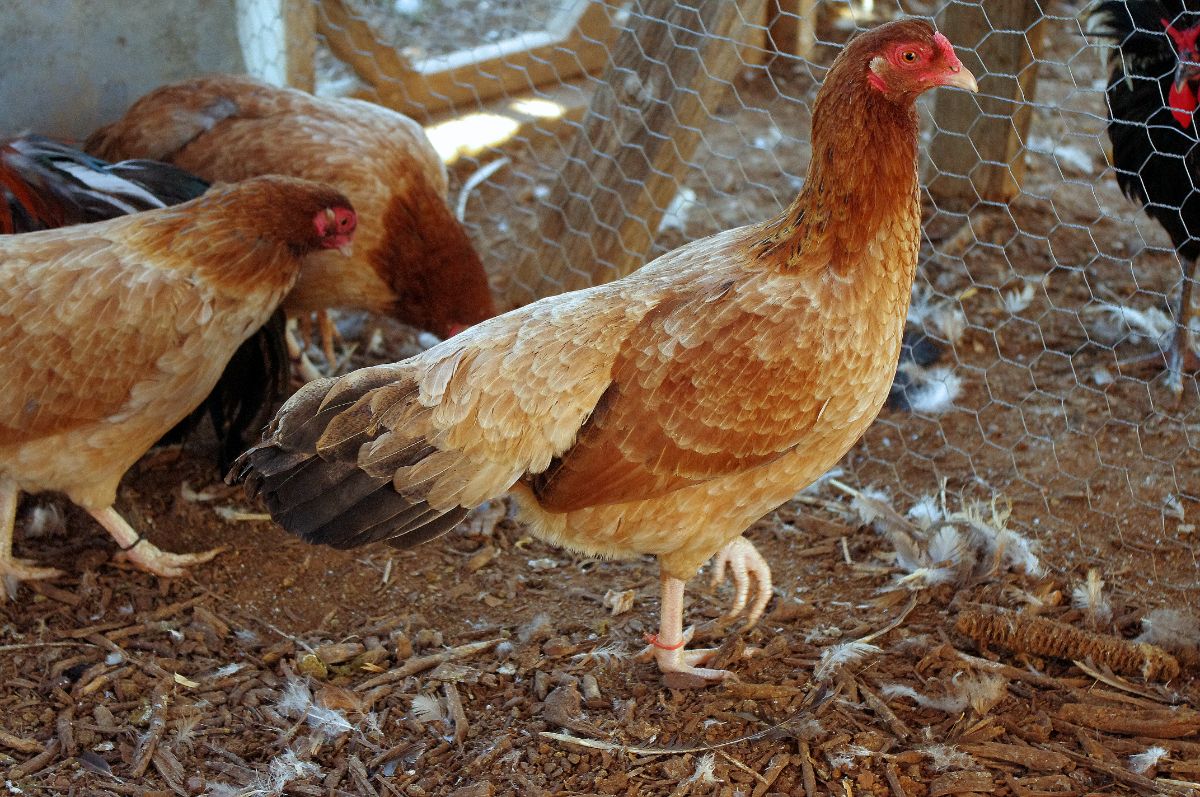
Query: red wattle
1182	102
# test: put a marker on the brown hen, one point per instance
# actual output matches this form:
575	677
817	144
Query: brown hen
412	259
112	332
665	412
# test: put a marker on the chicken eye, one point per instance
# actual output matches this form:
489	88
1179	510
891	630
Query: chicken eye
909	56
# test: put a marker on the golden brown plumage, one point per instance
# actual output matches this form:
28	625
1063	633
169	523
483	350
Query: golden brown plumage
412	259
662	413
112	332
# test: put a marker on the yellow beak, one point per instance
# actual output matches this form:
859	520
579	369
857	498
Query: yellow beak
961	78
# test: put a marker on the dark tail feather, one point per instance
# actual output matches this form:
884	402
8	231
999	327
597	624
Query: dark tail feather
254	381
327	498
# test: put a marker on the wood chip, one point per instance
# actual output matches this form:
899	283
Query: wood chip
20	744
1032	758
419	664
1162	723
960	782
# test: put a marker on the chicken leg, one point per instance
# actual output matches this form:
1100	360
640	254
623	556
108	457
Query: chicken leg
1180	357
743	561
12	570
137	549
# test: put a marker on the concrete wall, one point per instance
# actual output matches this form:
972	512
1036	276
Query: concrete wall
68	66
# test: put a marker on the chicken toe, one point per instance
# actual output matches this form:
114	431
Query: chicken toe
13	570
141	552
744	561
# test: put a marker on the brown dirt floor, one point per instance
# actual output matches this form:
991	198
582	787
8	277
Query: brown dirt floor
283	668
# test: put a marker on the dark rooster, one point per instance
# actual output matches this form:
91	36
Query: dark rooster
45	184
1152	99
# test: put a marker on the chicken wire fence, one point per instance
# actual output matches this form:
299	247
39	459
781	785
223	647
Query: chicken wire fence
589	137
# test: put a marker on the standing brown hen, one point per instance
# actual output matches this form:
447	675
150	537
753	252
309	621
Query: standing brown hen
412	259
112	332
667	411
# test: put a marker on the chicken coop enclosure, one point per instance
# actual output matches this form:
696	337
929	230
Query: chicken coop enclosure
597	136
1029	467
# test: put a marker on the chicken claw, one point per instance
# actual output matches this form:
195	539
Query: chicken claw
14	571
153	559
744	561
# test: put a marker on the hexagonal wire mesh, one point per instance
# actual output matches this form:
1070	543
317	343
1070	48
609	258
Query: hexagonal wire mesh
1037	277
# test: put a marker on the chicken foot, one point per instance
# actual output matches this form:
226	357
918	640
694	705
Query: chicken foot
13	570
668	643
744	561
667	646
140	551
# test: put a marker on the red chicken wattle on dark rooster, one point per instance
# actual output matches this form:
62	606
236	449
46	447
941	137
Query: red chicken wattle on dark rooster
1152	97
1182	96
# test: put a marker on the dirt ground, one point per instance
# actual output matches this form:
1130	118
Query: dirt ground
1001	556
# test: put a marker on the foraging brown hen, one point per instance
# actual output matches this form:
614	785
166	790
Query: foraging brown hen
662	413
112	332
412	259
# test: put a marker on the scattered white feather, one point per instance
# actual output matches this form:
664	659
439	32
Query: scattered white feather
1065	154
705	770
1171	629
407	7
946	756
1102	376
675	217
870	504
296	701
1016	300
539	627
287	767
45	519
926	511
838	656
939	316
428	708
544	563
227	670
1117	322
1173	507
933	390
1141	763
1089	596
946	545
606	654
769	139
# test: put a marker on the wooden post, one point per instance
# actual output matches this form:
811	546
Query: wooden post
300	43
792	26
278	39
670	68
978	150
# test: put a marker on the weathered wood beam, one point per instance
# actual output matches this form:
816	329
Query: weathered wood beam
671	66
978	150
575	42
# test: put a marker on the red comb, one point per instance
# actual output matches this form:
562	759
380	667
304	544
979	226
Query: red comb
946	49
1185	40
